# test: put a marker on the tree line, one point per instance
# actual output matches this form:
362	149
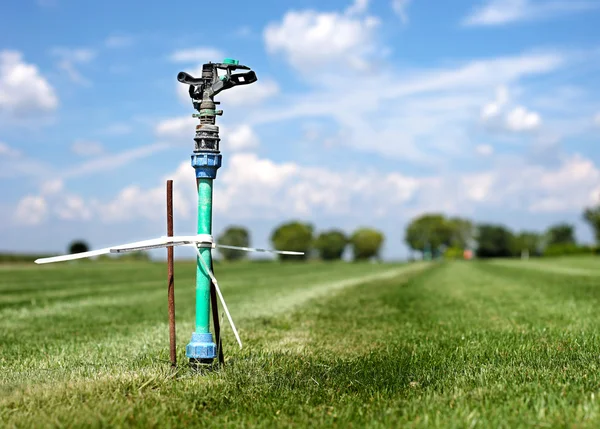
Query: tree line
364	243
434	234
431	234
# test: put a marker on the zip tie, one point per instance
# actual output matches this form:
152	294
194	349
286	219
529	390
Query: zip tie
212	277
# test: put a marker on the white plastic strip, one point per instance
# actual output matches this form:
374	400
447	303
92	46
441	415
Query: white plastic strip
205	240
252	249
73	256
214	280
130	247
200	240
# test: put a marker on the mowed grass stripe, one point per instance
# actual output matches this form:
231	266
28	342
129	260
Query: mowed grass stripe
458	345
558	266
450	359
285	300
84	375
47	297
135	317
420	350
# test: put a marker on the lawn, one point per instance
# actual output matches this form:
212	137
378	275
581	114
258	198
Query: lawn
455	344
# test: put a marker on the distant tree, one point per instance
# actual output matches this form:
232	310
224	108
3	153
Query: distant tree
567	249
433	232
234	236
429	231
78	246
494	241
461	232
529	241
561	233
592	217
295	236
366	243
331	245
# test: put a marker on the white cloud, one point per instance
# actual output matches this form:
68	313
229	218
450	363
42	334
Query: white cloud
251	187
53	200
358	7
492	110
117	129
570	188
595	197
501	12
311	39
518	186
31	210
23	90
423	116
52	186
69	59
118	41
399	7
477	186
177	129
200	55
244	32
181	130
113	161
87	148
484	150
134	202
517	119
240	138
18	166
521	119
477	73
8	152
597	119
247	95
74	55
25	166
73	207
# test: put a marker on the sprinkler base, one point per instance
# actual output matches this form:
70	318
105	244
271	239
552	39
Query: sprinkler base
201	348
201	362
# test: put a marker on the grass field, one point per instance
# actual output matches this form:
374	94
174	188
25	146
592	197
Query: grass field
462	344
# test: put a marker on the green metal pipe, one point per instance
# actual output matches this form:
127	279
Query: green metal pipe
205	193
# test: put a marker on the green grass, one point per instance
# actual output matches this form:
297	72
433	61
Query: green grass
481	344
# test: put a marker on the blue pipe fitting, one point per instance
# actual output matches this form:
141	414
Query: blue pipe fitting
201	346
206	164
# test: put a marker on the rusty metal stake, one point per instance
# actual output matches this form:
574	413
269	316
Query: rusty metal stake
171	276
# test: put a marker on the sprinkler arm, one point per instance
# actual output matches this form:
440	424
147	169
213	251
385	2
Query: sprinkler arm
216	83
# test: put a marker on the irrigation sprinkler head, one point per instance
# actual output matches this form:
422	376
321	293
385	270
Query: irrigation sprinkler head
206	158
210	84
203	90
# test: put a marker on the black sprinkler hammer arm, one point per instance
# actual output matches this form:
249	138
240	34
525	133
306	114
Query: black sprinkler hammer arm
210	84
202	92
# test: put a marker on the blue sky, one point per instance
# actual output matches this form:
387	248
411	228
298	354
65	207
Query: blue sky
365	113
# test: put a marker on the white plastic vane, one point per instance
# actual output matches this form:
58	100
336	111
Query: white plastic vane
200	240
